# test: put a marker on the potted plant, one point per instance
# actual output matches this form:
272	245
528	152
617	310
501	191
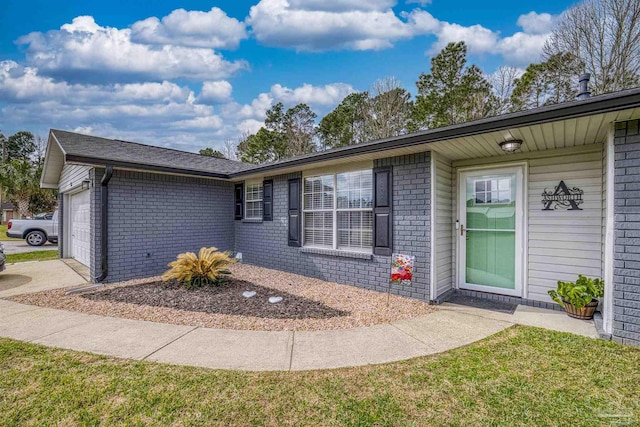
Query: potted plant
579	298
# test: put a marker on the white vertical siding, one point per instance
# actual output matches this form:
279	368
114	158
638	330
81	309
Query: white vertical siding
444	213
72	176
563	243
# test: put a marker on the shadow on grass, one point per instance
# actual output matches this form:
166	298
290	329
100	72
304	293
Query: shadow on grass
223	299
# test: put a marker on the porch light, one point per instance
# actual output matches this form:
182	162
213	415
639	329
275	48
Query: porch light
511	145
86	185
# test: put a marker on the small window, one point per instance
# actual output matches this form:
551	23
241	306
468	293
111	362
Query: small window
253	201
492	191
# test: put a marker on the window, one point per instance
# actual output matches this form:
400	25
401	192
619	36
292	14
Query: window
492	191
253	201
337	211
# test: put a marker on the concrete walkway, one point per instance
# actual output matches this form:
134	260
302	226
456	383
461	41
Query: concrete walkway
450	327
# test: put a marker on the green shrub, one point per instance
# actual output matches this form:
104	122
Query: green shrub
578	293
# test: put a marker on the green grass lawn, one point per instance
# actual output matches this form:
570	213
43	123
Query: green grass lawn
519	377
3	234
32	256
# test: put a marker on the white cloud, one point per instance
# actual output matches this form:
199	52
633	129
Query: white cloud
521	48
420	2
215	92
83	50
477	38
536	23
518	49
249	126
360	25
208	122
257	108
164	113
212	29
341	5
23	84
303	27
330	94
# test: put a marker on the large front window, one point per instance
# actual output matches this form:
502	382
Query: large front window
338	210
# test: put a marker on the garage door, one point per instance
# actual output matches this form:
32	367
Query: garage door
79	227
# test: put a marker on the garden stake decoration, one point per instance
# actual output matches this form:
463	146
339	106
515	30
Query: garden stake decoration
401	271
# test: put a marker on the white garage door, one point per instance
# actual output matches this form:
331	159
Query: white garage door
79	227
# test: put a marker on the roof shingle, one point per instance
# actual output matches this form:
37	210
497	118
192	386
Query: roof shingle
77	146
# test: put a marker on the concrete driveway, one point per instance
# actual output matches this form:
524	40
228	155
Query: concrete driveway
36	276
20	247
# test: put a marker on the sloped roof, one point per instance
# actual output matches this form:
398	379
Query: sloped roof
102	151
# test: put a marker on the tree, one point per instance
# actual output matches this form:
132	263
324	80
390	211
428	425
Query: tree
605	35
20	145
261	147
452	92
299	130
3	147
230	148
347	123
390	109
20	179
284	134
550	82
503	81
212	153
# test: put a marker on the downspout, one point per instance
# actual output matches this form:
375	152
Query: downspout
104	205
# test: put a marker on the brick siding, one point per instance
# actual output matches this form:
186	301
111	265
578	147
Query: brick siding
265	243
626	298
154	217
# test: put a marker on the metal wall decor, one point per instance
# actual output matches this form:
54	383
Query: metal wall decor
562	197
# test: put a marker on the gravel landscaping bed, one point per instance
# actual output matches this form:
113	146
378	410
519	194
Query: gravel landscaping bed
308	304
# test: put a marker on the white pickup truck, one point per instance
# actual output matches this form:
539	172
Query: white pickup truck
35	231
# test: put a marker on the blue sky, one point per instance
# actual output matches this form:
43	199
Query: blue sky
192	74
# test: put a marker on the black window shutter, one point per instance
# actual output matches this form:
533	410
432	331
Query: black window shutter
295	212
382	210
239	201
267	200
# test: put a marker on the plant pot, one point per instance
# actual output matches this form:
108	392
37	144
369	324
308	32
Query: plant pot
584	313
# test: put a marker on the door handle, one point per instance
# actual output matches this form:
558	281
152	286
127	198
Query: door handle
461	229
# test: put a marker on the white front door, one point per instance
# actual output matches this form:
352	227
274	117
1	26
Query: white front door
491	230
79	227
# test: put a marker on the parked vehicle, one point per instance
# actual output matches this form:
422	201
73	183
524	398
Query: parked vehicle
3	257
35	231
44	215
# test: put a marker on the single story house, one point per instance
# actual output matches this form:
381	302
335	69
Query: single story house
500	208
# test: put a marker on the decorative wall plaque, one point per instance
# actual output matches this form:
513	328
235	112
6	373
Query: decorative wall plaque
562	197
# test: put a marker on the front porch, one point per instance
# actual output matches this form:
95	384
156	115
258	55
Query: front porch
508	226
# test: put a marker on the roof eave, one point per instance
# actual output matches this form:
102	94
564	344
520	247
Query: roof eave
52	143
72	158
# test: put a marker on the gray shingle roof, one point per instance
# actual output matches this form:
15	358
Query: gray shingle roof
95	150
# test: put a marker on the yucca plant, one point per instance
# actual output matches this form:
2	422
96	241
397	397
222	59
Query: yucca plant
201	270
